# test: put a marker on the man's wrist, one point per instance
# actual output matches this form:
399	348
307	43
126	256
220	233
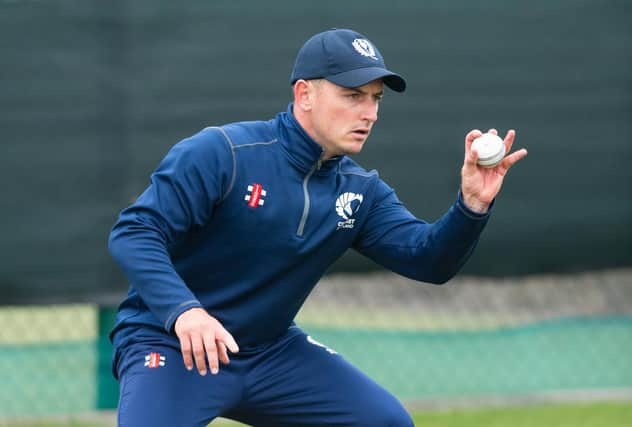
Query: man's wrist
475	205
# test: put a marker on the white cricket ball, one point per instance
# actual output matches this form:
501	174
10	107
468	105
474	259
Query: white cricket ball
490	148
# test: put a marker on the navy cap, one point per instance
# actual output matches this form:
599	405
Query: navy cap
343	57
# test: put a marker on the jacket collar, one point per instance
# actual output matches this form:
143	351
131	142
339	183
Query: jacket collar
302	150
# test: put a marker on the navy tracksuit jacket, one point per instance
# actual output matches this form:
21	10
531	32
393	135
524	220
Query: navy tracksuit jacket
244	219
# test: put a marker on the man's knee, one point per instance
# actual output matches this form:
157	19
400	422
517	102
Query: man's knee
389	414
400	419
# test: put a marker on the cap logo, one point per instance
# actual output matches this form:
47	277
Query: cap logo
364	48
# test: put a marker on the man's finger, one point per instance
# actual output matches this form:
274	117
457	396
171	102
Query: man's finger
211	353
492	130
471	156
198	353
509	139
185	348
511	159
225	337
223	353
470	137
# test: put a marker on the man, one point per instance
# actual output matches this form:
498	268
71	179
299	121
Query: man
238	225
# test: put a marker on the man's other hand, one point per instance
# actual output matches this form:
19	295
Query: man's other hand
203	338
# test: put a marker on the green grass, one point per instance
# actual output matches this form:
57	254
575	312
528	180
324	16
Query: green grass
602	414
587	415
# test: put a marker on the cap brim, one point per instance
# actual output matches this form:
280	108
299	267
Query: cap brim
362	76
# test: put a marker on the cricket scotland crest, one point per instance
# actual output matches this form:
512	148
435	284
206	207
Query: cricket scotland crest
347	204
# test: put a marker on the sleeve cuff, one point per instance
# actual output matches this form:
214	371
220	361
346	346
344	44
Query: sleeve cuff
171	320
460	204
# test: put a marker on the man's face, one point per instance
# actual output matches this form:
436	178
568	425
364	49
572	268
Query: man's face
342	118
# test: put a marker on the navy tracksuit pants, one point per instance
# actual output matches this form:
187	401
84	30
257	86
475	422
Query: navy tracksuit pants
293	382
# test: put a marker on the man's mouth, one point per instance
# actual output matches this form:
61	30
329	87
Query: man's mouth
360	132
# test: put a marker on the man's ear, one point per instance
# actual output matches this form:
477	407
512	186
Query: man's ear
303	94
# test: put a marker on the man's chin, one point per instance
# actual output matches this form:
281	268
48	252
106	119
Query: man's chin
354	148
352	152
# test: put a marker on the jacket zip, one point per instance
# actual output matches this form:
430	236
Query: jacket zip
301	225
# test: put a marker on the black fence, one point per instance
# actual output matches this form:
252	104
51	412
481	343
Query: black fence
94	93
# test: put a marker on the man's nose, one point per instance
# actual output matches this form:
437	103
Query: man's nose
370	111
